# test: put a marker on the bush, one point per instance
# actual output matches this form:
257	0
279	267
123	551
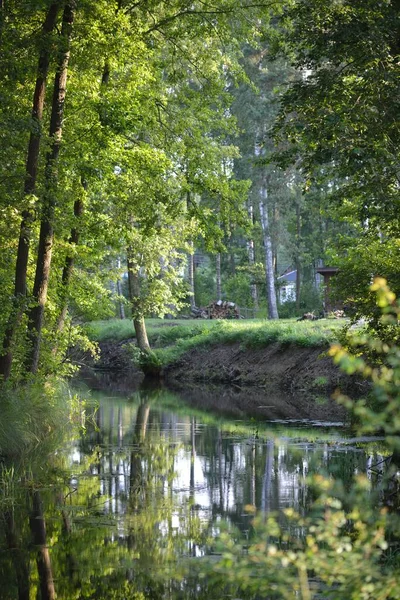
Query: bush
237	289
348	547
204	286
36	414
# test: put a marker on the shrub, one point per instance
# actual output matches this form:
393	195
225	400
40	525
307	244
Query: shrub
348	547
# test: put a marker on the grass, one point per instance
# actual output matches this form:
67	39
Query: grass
35	415
170	339
117	330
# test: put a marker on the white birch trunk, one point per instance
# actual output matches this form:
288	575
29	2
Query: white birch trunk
267	479
191	261
269	265
218	275
191	276
119	292
251	255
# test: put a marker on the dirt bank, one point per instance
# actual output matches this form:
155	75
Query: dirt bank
293	369
275	382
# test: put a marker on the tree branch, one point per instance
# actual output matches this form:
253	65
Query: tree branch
203	13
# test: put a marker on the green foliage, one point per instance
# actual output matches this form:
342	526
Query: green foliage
166	335
149	362
112	329
250	334
237	289
147	126
204	286
339	555
90	299
36	414
378	360
348	545
330	127
358	259
157	257
171	340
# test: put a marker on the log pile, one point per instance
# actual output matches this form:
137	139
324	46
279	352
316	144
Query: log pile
217	310
223	310
309	316
336	314
198	313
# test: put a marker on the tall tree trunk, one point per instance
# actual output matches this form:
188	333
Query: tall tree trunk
46	237
70	260
251	255
191	261
298	263
269	268
38	529
134	296
191	276
218	275
119	292
20	287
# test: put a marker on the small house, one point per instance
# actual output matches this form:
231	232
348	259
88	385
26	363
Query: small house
287	286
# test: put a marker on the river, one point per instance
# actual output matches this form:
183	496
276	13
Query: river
144	483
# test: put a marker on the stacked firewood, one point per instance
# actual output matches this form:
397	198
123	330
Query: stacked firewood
217	310
199	313
223	310
336	314
309	316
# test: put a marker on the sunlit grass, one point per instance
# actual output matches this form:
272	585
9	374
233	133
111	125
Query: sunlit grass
257	332
170	339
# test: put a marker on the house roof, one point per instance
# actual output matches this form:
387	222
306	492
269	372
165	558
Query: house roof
289	277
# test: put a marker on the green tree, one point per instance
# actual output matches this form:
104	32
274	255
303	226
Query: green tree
256	105
348	545
339	121
45	49
147	82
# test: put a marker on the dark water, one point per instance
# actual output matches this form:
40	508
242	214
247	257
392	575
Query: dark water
149	482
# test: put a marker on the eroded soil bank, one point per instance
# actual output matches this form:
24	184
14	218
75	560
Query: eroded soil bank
291	369
288	382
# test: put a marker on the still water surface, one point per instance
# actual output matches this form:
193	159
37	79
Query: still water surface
148	482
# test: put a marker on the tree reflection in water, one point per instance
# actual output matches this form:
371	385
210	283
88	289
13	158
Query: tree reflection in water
113	513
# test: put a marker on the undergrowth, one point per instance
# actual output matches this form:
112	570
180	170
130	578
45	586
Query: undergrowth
36	414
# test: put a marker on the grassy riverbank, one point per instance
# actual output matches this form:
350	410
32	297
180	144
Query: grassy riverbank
170	339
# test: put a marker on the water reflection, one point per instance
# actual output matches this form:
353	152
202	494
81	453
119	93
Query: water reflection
110	513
